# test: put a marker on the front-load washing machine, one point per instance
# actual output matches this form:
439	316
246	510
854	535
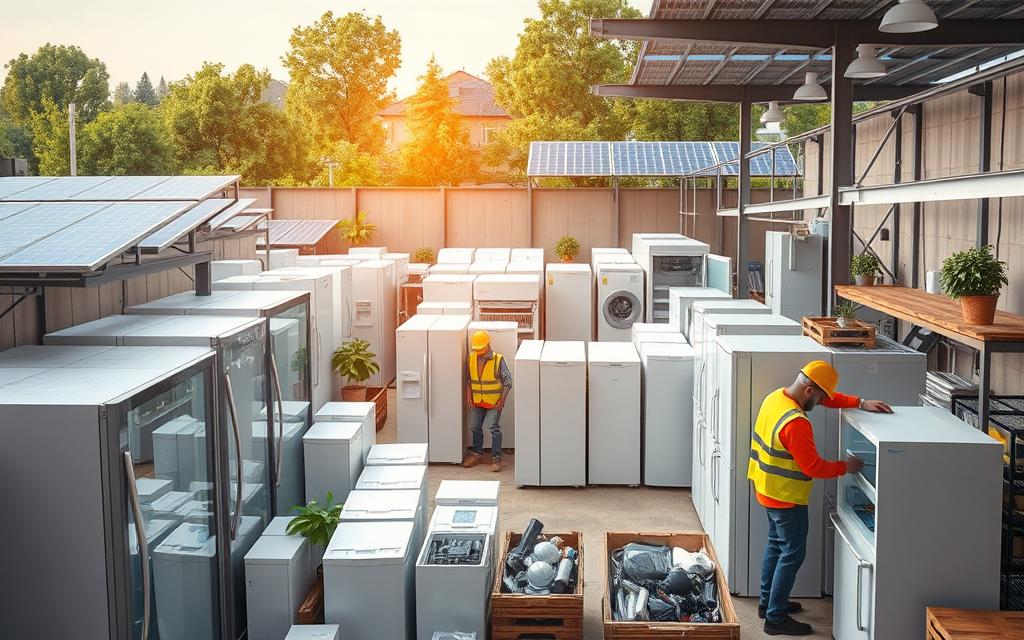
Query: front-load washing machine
620	295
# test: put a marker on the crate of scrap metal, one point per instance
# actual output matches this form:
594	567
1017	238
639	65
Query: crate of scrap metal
665	585
538	587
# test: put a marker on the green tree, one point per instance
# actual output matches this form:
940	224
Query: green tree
437	152
15	140
340	69
55	75
161	89
355	168
804	117
51	147
671	120
123	94
128	140
144	92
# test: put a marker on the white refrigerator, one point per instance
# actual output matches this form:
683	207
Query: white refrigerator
504	340
793	274
751	367
342	291
569	302
526	381
919	526
431	384
680	299
373	285
563	414
613	439
667	425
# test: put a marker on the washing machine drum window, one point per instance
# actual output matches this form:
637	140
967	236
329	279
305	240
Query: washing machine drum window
621	309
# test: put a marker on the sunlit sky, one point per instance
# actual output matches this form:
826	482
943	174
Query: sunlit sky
172	39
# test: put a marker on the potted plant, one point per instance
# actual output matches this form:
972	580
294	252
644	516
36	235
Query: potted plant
317	523
298	367
423	255
355	362
864	268
974	277
567	248
845	313
357	231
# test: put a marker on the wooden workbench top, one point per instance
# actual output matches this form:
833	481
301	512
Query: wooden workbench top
935	312
969	624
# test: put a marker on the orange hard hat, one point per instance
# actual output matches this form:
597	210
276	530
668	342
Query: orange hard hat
480	340
822	374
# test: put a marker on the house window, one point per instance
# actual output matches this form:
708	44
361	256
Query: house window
489	134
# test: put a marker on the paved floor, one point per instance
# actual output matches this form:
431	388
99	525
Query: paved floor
594	511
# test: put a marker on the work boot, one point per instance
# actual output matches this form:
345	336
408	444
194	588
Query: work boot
788	627
792	608
495	464
471	460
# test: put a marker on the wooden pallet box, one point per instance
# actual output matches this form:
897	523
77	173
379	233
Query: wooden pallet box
828	332
728	629
516	616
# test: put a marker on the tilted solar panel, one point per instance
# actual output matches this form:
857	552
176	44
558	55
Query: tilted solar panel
181	226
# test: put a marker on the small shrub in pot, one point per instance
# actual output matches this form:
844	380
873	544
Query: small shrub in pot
864	268
974	277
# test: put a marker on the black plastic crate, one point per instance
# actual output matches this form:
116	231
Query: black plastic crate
1011	595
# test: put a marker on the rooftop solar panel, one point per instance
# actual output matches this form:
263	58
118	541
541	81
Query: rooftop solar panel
91	241
785	164
41	220
660	158
110	189
295	233
64	188
181	226
187	188
17	184
121	188
8	209
240	205
242	222
569	159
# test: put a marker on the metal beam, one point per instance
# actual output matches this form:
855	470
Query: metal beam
896	213
114	273
721	65
945	65
810	34
994	184
742	225
841	163
907	64
915	220
984	91
797	204
731	92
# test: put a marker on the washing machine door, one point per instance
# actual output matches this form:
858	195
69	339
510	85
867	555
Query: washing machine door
621	309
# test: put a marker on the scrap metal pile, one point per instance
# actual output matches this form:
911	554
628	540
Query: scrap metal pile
539	566
663	584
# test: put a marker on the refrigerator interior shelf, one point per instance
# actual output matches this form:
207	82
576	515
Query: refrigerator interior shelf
866	487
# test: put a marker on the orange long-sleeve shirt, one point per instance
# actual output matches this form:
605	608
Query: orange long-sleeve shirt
798	438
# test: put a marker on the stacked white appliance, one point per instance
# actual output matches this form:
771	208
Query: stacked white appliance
504	340
509	297
492	254
673	260
282	258
491	266
431	361
640	328
368	253
526	382
660	336
449	268
613	439
793	274
444	309
397	454
897	553
455	255
317	260
749	368
373	286
398	478
722	306
620	299
404	505
667	428
682	298
526	254
277	577
531	265
449	288
563	414
220	269
362	413
333	452
569	305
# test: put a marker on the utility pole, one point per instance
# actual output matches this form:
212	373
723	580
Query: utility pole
71	137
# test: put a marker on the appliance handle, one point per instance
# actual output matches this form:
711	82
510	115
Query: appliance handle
700	441
279	448
319	349
861	565
768	278
238	453
714	413
423	385
700	386
140	536
430	368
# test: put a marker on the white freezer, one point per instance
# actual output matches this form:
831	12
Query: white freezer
667	429
793	274
428	308
365	413
505	341
401	505
488	267
671	337
277	578
613	437
448	288
220	269
563	414
333	452
516	286
282	258
468	492
568	300
313	632
456	255
639	328
397	454
680	300
453	596
374	296
455	268
398	478
375	253
526	381
411	380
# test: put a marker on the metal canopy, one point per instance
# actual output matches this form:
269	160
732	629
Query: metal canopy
297	233
111	189
647	159
240	205
183	225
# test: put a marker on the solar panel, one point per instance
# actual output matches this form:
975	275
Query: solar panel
278	228
11	186
294	233
187	188
217	221
181	226
569	159
110	189
39	221
65	188
785	164
121	188
93	240
660	158
242	222
8	209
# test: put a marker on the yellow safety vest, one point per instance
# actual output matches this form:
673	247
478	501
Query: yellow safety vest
772	468
486	385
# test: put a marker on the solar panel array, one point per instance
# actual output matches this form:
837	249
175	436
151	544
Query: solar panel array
107	188
240	205
652	159
296	233
181	226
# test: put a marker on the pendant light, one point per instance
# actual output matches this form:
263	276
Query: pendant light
773	114
866	65
909	16
810	90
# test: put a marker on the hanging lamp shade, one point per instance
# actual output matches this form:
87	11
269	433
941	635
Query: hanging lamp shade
773	114
866	65
810	90
909	16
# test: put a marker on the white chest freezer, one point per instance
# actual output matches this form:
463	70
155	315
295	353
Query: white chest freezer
220	269
455	255
719	306
668	433
526	380
680	299
334	459
279	527
365	413
283	258
640	328
453	583
428	308
277	578
449	268
313	632
369	580
569	302
613	439
448	288
563	414
398	453
398	478
456	493
488	266
402	505
376	253
670	337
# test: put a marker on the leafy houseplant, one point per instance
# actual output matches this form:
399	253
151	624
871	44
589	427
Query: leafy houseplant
864	268
355	362
315	521
844	312
974	277
567	248
357	231
424	255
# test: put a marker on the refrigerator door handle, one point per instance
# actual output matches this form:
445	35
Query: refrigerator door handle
700	441
768	277
430	367
279	448
425	389
319	350
140	536
714	415
238	454
861	565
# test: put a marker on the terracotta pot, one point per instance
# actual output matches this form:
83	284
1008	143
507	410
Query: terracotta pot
354	393
566	258
843	322
979	309
864	281
379	396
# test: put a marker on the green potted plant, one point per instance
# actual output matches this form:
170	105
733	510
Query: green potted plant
567	248
845	313
423	255
357	231
864	268
974	277
317	523
354	362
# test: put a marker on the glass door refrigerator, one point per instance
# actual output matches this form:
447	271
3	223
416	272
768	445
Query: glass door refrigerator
288	413
103	546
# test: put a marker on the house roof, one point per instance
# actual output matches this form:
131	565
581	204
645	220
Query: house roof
473	97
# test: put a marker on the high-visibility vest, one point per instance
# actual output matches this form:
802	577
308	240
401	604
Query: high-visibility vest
486	385
772	468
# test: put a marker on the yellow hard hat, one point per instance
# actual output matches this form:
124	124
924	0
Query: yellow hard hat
480	340
822	374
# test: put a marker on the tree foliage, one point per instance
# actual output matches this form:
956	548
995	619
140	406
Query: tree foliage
340	69
161	89
128	140
54	75
123	94
438	151
669	120
144	91
51	145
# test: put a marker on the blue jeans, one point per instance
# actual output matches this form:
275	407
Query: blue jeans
480	416
787	547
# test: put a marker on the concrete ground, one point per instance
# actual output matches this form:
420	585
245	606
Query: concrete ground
593	511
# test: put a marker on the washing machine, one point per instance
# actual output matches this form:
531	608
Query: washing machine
620	295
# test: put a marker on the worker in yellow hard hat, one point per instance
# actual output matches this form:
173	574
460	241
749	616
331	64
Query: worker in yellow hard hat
783	460
488	384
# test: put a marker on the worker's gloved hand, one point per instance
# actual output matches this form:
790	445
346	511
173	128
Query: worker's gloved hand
854	464
875	406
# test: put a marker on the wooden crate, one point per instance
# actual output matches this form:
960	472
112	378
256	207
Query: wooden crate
555	617
828	332
728	629
964	624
